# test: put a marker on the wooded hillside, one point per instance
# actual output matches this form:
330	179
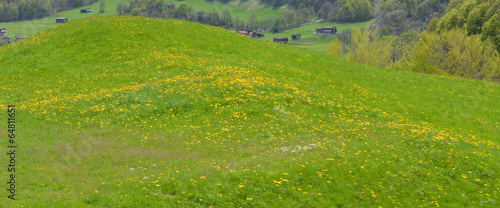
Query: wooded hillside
14	10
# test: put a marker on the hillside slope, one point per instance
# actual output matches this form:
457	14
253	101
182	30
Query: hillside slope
136	112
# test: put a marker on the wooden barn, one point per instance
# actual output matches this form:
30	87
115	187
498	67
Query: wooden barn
19	37
242	32
257	35
61	20
326	30
5	38
86	10
281	40
296	37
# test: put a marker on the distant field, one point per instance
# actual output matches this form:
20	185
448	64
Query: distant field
243	10
310	39
35	26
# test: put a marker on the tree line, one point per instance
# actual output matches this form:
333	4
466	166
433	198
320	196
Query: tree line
159	9
331	10
453	52
16	10
463	41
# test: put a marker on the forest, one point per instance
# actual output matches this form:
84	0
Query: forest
225	19
16	10
463	42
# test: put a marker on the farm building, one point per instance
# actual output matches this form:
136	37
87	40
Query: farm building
242	32
19	37
61	20
257	35
3	31
5	38
296	37
280	40
86	10
326	30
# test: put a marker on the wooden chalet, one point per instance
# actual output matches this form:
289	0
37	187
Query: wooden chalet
281	40
19	37
3	31
242	32
5	38
296	37
326	30
61	20
86	10
257	35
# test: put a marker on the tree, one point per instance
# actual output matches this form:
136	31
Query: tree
102	6
277	26
491	30
475	21
226	19
336	49
368	48
182	11
454	53
239	24
253	24
136	11
119	8
214	18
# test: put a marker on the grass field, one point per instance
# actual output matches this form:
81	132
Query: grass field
311	40
116	111
31	27
243	10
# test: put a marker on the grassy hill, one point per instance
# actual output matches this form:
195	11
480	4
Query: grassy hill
135	112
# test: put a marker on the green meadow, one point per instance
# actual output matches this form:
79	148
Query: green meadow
238	8
34	26
118	111
311	40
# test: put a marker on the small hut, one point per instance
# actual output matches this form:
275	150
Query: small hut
281	40
3	31
19	37
86	10
5	38
296	37
61	20
242	32
257	35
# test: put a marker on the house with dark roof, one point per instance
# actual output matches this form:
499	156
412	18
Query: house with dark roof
19	37
86	10
61	20
296	37
5	38
242	32
281	40
326	30
257	35
3	31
